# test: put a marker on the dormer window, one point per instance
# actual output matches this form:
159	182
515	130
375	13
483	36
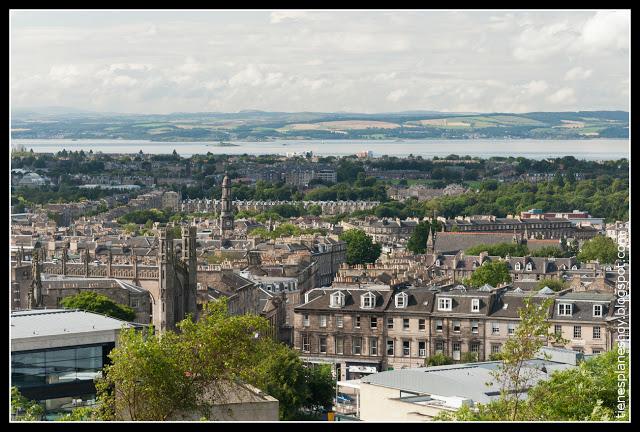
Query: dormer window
529	267
401	300
565	309
368	300
517	266
475	305
337	300
597	310
437	263
574	267
444	304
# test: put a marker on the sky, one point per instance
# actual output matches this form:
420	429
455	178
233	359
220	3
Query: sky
323	61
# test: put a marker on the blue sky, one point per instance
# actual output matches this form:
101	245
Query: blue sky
302	60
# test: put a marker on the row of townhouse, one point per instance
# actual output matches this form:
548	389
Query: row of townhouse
366	329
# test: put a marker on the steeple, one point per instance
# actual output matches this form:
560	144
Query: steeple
226	213
35	293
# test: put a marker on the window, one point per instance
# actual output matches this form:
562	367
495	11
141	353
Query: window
517	266
557	329
444	304
474	347
511	328
406	348
421	324
422	349
337	300
405	323
565	309
389	347
339	345
374	322
135	303
529	267
475	305
595	351
474	326
456	326
596	332
597	310
306	320
401	300
439	326
323	344
306	346
495	348
577	332
356	322
439	347
323	320
455	347
495	328
373	346
368	300
339	321
390	323
357	345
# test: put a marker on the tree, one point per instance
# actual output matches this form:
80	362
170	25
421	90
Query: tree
554	284
418	241
438	360
492	273
360	247
469	357
23	408
600	248
549	252
99	303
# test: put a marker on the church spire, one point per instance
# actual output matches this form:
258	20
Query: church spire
226	213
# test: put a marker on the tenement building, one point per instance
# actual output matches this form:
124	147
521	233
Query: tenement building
362	329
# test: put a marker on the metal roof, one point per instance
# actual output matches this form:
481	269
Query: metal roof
55	322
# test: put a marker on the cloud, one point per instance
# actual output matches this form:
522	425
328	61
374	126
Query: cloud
538	43
577	73
607	30
288	15
396	95
534	88
564	96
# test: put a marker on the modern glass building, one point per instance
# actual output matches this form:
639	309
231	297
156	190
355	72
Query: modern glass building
57	354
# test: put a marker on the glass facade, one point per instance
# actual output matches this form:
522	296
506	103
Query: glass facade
61	378
40	368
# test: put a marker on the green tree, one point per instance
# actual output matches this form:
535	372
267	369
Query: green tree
549	252
438	360
600	248
469	357
99	303
360	247
492	273
23	409
418	241
554	284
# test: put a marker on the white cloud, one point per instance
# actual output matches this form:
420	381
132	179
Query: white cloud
396	95
534	88
536	43
607	30
564	96
288	15
577	73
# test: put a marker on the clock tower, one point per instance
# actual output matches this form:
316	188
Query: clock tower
226	213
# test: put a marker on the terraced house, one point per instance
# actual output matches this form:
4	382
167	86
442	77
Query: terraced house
368	328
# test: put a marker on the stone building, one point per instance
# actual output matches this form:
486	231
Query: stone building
170	277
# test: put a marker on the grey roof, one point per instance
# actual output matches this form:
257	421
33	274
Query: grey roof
55	322
462	380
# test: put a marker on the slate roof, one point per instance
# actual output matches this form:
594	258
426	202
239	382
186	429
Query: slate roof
453	242
319	299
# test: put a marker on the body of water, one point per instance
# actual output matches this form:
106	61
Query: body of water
592	149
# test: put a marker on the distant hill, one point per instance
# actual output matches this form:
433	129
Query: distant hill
60	122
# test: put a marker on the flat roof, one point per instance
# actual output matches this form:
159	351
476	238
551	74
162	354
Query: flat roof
55	322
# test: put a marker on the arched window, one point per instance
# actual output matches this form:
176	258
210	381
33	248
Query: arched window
368	300
529	266
517	266
337	299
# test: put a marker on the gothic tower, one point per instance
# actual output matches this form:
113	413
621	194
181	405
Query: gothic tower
35	293
226	214
189	259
